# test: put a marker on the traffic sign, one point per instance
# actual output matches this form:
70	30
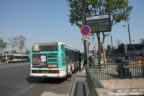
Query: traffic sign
85	38
100	23
85	30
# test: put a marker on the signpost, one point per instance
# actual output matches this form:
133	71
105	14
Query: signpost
99	23
85	30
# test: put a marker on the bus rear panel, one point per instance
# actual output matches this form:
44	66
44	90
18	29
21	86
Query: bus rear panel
47	60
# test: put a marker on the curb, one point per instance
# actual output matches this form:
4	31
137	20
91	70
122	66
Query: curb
79	88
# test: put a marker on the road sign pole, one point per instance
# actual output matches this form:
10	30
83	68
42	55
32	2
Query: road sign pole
85	30
84	22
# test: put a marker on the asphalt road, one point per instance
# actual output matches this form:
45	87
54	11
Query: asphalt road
15	81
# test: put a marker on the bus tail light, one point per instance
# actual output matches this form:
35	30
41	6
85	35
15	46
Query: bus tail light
34	71
56	71
45	71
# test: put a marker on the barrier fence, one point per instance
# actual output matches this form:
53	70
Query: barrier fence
92	82
112	72
131	70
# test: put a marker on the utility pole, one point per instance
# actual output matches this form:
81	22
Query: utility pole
112	44
130	39
129	34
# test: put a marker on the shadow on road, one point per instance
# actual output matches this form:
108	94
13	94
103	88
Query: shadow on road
45	80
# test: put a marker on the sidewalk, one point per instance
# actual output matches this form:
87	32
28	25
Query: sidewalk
2	62
80	86
127	87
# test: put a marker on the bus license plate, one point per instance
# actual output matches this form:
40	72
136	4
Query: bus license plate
44	71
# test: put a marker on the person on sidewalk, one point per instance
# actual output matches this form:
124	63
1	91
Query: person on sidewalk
90	61
85	62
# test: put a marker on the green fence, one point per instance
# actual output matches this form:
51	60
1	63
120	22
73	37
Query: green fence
92	82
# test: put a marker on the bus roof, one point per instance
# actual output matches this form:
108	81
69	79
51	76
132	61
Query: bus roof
20	54
55	43
51	43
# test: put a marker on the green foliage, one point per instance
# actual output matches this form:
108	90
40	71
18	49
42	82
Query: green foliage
21	42
13	42
109	50
118	9
141	41
3	44
27	52
18	41
120	49
13	52
77	11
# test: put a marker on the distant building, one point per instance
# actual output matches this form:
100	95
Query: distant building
134	49
1	54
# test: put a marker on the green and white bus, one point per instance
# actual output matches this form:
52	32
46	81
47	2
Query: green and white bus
56	60
13	58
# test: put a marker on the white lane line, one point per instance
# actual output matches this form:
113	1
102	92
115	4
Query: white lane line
24	90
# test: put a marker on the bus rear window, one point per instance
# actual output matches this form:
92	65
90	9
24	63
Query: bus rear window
47	48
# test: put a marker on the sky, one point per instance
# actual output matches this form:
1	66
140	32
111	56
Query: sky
48	21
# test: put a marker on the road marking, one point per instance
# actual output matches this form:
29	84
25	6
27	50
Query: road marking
62	85
68	82
52	94
24	90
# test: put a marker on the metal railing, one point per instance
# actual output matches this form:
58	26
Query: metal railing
92	82
110	72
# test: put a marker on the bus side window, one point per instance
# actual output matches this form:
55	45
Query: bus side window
67	56
67	59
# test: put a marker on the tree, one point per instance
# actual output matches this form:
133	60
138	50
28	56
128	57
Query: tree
13	42
120	49
109	50
21	43
141	41
119	10
18	42
13	52
3	44
27	52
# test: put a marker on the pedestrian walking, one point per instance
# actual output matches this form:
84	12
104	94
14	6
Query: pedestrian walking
85	62
90	61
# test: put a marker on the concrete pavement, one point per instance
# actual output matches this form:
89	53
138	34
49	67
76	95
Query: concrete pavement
78	88
121	87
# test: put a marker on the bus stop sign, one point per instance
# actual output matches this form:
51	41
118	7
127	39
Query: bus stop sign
85	30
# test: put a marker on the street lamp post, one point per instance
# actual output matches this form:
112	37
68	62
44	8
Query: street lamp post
129	35
130	40
112	45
